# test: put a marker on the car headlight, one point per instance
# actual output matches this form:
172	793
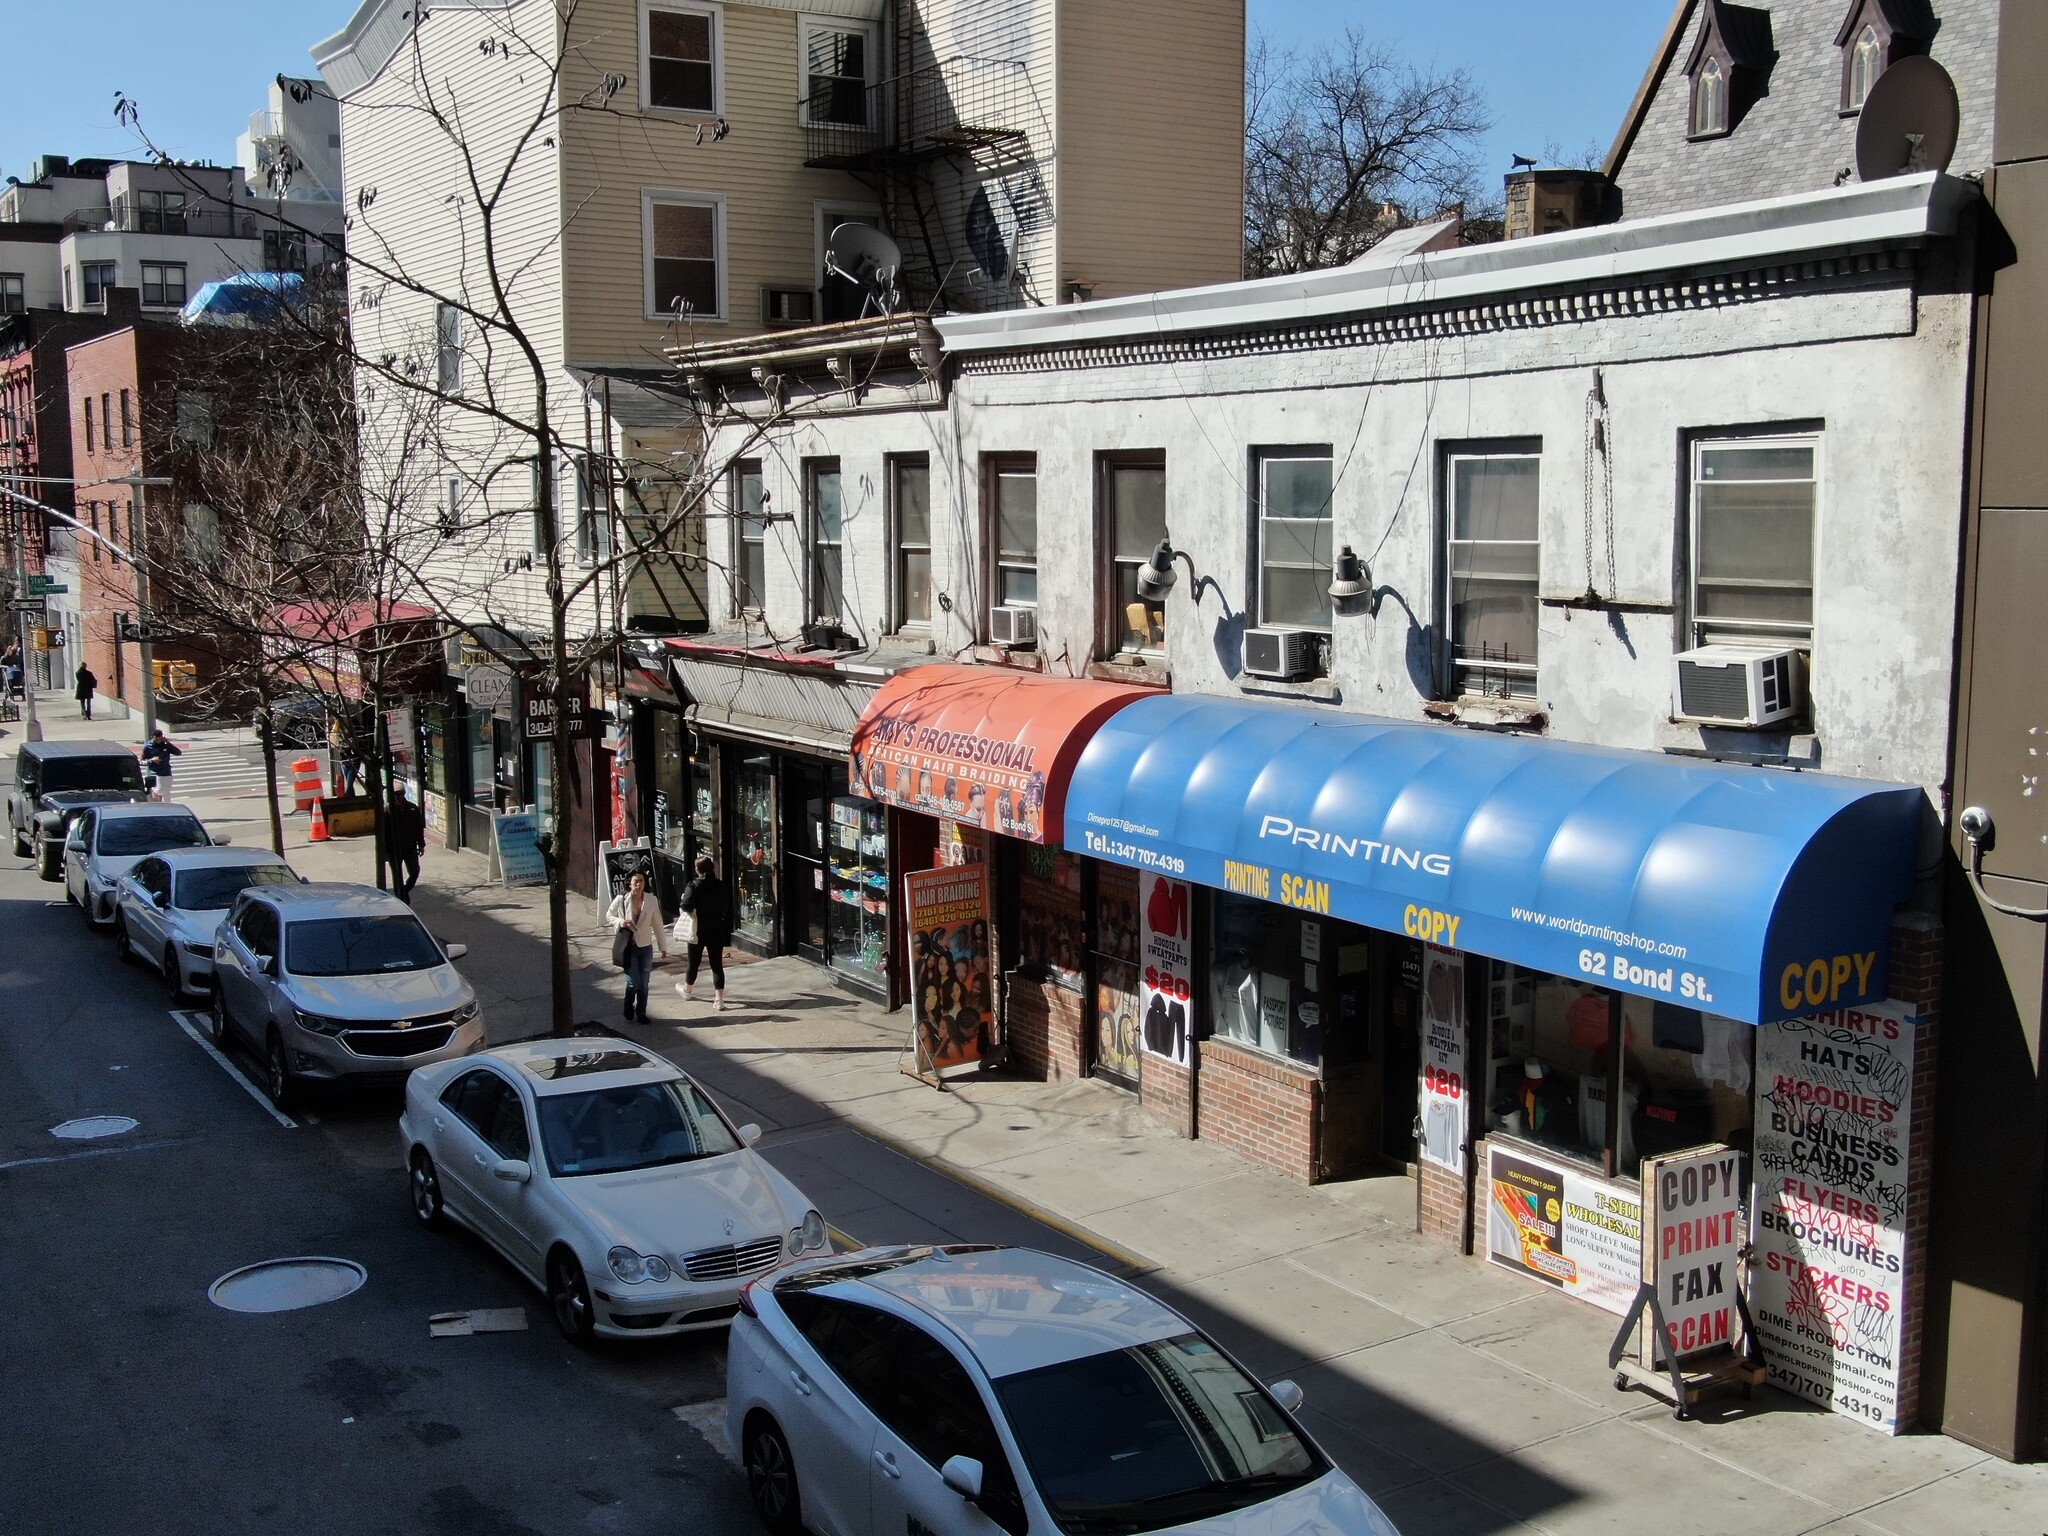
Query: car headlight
467	1013
811	1234
319	1024
203	951
636	1268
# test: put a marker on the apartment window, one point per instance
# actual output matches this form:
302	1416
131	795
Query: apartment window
1866	61
99	277
13	296
284	250
750	536
827	514
1710	100
195	419
88	425
682	258
681	73
593	527
451	507
107	420
540	517
448	349
92	509
836	60
1753	521
910	529
1295	490
163	284
1012	491
127	420
67	287
162	213
1132	491
1490	570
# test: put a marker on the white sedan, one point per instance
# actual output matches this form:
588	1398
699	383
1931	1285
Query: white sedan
608	1178
168	908
107	840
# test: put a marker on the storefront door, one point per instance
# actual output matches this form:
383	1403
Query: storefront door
1113	1027
754	846
809	785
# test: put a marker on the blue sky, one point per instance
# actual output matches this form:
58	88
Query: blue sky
1562	72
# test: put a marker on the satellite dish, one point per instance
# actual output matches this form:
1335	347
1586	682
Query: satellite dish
1909	122
868	259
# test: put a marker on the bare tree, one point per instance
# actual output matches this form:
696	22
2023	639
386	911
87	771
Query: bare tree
1346	144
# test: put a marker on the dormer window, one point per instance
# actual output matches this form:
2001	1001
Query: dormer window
1729	68
1875	35
1710	100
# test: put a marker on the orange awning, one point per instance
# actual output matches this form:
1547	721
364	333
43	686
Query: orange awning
981	745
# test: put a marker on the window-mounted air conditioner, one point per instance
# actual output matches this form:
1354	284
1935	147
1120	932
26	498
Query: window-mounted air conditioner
1285	654
1739	684
788	306
1013	626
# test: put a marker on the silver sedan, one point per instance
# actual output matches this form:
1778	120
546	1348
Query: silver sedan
168	908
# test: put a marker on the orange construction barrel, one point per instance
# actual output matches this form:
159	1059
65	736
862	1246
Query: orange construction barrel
305	782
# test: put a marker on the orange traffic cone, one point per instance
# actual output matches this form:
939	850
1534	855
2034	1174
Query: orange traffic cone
318	834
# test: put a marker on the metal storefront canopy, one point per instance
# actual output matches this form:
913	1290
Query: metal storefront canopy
982	745
1755	894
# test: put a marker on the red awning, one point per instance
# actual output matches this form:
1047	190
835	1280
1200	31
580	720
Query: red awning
981	745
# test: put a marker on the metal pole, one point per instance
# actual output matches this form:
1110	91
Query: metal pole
140	539
31	726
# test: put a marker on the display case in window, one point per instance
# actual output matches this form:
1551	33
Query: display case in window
857	887
754	846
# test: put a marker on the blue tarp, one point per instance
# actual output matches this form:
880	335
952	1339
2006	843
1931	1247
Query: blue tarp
1752	893
245	296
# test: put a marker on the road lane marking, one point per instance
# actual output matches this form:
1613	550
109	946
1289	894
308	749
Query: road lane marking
72	1157
183	1019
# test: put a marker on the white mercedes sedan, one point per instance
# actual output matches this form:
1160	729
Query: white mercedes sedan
605	1176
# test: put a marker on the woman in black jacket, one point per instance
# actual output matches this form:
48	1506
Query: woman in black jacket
710	904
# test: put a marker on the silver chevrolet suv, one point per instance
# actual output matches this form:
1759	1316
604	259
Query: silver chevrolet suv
335	982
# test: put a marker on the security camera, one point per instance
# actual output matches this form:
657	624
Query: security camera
1977	826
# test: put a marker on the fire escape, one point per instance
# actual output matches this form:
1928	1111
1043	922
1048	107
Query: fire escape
948	150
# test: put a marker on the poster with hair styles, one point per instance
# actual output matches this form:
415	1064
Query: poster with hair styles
950	985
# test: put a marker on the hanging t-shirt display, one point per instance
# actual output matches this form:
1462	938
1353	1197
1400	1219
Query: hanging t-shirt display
1166	985
1444	1076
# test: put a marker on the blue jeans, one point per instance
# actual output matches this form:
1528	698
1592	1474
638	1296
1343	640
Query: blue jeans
639	975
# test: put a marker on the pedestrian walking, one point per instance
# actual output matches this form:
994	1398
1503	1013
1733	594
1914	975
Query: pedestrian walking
405	839
88	685
635	917
706	922
10	668
157	753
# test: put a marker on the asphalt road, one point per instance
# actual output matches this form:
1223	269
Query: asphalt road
133	1403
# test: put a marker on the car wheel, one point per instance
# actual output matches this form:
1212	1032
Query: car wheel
48	864
21	847
771	1478
123	950
174	976
426	1189
569	1297
278	1081
220	1015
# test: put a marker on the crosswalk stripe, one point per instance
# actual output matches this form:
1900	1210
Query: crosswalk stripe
207	769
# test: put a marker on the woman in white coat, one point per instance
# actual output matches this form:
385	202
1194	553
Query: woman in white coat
637	932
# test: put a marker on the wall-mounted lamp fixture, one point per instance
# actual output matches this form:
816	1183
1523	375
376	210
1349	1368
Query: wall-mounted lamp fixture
1351	584
1157	576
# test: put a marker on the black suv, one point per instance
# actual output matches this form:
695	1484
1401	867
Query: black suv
53	782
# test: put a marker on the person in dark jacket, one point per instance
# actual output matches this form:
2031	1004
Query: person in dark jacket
707	900
157	753
405	836
88	685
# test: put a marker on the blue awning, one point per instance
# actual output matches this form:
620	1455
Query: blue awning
1752	893
251	297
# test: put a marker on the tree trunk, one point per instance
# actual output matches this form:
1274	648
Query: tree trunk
268	739
558	826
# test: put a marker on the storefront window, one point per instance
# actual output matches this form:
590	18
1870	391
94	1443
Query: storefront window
858	885
754	840
433	750
483	757
666	772
1287	983
1052	931
1116	972
1554	1064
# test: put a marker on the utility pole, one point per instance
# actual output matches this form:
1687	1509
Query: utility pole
18	510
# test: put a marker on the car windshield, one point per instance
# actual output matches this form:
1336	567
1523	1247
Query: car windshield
640	1125
68	773
359	946
133	836
210	890
1156	1435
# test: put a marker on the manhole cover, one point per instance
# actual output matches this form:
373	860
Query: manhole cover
93	1127
285	1285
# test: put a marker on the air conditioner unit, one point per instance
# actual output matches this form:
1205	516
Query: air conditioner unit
1739	684
1013	627
1285	654
788	306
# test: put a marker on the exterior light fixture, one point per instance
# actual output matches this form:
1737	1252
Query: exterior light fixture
1350	576
1157	576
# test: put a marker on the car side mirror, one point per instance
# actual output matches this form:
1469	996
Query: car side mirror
749	1134
221	839
454	951
1288	1395
513	1170
267	964
159	899
962	1474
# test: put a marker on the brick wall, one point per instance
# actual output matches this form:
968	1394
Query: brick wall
105	366
1916	974
1441	1212
1166	1090
1264	1108
1043	1026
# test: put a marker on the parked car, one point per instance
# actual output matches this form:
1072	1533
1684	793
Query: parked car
970	1390
106	841
54	781
336	983
608	1178
168	909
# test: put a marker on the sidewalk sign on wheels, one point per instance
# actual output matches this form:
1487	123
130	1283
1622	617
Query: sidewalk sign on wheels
950	986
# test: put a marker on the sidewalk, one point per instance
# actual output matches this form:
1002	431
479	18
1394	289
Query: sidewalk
1464	1400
